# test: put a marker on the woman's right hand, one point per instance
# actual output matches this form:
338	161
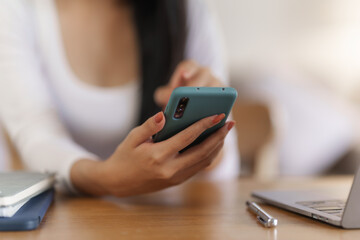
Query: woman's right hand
139	165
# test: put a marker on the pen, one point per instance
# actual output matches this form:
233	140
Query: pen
264	218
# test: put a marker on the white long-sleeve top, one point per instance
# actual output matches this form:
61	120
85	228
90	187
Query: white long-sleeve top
53	117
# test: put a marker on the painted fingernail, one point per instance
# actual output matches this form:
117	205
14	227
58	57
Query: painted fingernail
218	118
159	117
231	125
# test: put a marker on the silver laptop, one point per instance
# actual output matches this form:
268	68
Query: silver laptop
330	206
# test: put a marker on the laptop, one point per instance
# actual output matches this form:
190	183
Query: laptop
329	206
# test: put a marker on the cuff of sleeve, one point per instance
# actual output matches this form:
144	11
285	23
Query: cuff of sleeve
64	183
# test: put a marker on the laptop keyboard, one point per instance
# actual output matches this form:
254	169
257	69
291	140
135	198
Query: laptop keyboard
333	207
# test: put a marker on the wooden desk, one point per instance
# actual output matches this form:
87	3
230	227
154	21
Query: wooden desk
196	210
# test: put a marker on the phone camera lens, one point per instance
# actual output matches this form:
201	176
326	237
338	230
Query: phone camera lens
181	107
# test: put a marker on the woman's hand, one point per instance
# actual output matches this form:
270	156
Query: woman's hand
188	73
139	165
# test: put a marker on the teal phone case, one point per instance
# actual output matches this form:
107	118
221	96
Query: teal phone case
203	102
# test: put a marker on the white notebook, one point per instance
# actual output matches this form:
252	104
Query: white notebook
10	211
19	186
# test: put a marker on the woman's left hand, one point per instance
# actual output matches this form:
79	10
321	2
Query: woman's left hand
187	74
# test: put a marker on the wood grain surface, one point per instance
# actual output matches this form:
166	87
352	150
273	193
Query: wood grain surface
194	210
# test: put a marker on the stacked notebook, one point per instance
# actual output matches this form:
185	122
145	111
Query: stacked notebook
24	199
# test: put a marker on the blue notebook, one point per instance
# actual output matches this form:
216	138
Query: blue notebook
30	215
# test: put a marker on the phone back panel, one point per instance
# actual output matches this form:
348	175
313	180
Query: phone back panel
203	102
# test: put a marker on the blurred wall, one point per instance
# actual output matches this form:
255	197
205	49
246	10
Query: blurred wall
301	59
320	37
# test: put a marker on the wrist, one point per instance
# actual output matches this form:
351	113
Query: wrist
87	176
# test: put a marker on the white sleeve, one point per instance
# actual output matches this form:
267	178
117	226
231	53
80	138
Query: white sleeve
205	43
205	46
26	108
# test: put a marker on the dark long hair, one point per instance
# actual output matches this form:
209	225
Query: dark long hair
161	32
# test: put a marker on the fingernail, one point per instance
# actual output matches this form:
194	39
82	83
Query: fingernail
231	125
159	117
218	118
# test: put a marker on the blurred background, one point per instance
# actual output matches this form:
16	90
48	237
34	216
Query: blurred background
296	65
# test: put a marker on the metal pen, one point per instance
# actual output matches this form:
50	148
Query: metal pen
264	218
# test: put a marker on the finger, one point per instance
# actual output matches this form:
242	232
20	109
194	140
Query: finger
142	133
184	70
193	77
192	69
205	163
187	173
162	95
204	78
190	134
201	151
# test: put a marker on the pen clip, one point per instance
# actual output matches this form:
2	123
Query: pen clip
271	222
262	221
264	218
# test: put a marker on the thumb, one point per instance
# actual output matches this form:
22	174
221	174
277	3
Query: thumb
145	131
162	95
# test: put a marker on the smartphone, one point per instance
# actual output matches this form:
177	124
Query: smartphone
188	105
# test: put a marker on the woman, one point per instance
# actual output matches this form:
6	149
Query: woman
78	76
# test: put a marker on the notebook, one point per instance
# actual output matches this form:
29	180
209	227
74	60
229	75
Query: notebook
30	214
9	211
18	186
